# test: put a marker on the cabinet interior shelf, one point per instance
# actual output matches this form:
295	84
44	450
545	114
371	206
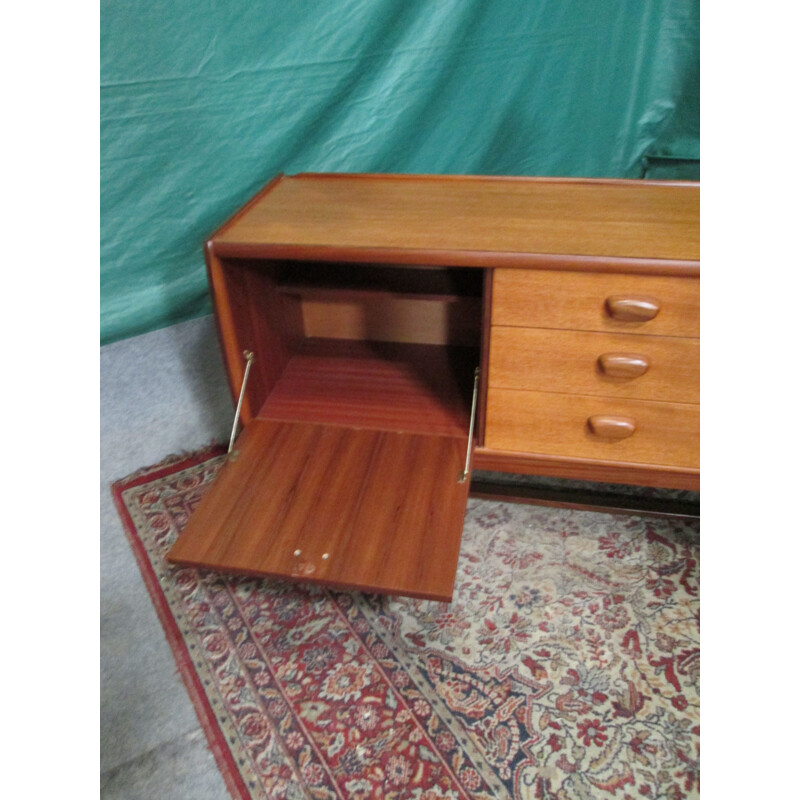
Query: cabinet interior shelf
365	280
395	386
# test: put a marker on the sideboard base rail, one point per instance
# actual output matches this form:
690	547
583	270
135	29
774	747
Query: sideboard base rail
589	498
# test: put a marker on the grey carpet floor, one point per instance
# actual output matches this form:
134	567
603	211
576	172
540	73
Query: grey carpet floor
161	393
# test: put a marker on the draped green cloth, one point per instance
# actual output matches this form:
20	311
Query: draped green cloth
202	102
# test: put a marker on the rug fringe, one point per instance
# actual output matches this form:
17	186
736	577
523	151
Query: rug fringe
211	450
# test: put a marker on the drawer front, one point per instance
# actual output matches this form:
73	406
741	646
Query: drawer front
666	434
607	364
596	302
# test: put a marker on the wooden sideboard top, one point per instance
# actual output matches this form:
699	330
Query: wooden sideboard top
317	215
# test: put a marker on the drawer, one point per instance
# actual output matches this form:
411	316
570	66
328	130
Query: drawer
666	434
606	364
582	301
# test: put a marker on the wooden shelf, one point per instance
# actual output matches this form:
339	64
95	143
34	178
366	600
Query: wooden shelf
376	385
435	283
339	294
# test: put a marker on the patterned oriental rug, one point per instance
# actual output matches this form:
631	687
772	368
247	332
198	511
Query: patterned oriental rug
566	667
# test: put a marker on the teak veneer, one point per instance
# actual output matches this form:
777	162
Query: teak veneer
369	302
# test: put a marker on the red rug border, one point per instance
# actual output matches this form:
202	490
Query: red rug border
191	680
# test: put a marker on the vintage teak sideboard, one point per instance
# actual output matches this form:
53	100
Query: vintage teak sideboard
396	332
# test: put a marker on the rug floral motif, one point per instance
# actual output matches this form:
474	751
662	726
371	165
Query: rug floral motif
566	667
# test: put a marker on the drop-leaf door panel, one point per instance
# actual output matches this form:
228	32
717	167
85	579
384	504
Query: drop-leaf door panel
362	509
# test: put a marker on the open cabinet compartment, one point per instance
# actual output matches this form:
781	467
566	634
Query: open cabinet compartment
368	345
357	411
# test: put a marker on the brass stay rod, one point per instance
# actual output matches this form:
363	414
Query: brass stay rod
465	473
249	357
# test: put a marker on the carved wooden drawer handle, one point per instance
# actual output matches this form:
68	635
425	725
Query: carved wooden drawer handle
632	308
612	427
623	365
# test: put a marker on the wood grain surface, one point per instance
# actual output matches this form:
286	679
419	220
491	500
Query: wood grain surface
251	314
557	424
567	361
354	509
628	219
383	317
577	301
586	469
379	385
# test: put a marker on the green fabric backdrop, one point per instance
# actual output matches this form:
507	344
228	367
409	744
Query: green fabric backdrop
202	102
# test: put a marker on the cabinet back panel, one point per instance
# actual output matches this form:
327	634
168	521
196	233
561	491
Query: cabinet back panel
387	318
